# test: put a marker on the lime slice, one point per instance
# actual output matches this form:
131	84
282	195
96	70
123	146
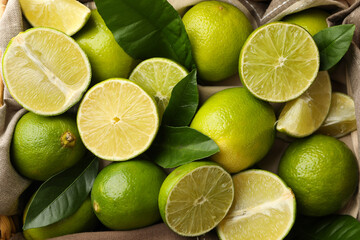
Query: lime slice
117	119
263	208
45	70
278	62
68	16
158	76
305	114
341	118
195	197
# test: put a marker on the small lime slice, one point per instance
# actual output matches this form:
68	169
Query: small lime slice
341	119
278	62
68	16
158	76
195	197
117	120
263	208
45	70
305	114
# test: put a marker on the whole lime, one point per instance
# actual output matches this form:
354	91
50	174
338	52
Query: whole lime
313	19
217	31
43	146
107	58
125	194
83	220
323	173
240	124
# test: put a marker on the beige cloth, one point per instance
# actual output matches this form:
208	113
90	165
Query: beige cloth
259	12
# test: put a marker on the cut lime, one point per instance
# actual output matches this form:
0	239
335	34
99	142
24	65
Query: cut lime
305	114
263	208
278	62
158	76
341	118
195	197
117	120
45	70
68	16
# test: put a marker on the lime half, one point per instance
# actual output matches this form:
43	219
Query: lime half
263	208
278	62
195	197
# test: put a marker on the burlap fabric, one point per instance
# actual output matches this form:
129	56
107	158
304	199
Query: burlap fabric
347	76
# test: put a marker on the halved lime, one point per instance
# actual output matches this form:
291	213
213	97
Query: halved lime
45	70
341	119
158	76
195	197
278	62
263	208
305	114
117	119
68	16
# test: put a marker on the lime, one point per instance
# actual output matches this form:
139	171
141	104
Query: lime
341	119
125	194
313	19
158	76
83	220
195	197
304	115
263	208
45	70
43	146
279	62
68	16
323	173
240	124
117	119
217	31
107	58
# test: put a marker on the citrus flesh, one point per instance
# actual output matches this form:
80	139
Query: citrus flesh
68	16
195	197
323	173
216	31
117	119
240	124
49	63
125	194
305	114
278	62
341	119
158	77
263	208
43	146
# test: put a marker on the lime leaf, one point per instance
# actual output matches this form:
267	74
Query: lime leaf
333	43
61	195
183	102
175	146
146	29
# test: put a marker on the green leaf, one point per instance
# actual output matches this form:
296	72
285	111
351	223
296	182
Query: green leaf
333	43
61	195
146	29
175	146
183	102
335	227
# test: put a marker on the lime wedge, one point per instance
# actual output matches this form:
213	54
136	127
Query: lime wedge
305	114
117	119
278	62
68	16
158	76
45	70
263	208
195	197
341	118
